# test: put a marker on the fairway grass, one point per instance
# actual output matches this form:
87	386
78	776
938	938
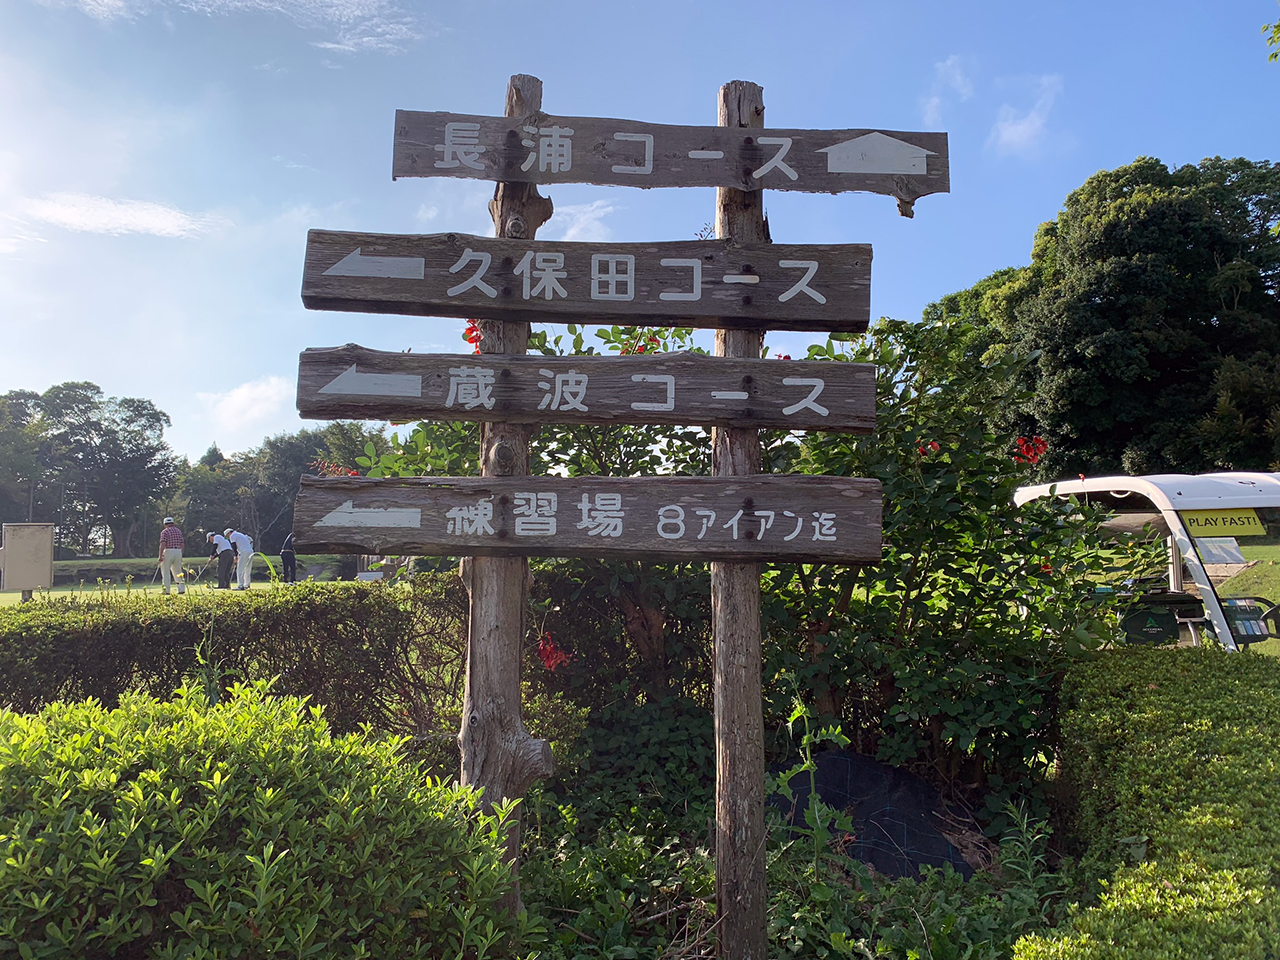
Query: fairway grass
13	597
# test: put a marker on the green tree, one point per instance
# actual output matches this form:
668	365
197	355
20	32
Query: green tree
1152	308
23	464
110	451
1273	40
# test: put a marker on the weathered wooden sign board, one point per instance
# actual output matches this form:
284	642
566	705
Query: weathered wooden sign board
546	149
788	518
352	382
701	283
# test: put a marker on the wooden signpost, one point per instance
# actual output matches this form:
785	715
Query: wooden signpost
354	383
703	283
803	519
739	284
545	149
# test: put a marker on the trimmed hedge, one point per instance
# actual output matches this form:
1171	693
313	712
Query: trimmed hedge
368	653
1174	759
180	829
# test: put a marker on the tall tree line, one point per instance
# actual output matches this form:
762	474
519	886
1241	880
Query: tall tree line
1152	308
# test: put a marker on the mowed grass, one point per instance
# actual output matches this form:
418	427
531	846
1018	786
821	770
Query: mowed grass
11	597
1260	580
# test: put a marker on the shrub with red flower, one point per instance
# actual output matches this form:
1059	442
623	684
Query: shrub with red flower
550	654
933	446
643	343
1030	451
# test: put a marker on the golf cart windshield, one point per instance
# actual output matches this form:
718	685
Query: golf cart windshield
1239	547
1222	532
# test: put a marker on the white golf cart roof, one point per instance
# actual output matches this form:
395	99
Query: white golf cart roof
1172	491
1170	494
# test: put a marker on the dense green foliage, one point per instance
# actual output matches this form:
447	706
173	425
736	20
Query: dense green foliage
243	829
1153	300
1171	756
367	653
946	654
647	890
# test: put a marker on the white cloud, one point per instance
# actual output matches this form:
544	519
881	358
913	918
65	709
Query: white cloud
931	111
948	75
951	73
240	415
89	214
359	25
1023	133
427	212
584	221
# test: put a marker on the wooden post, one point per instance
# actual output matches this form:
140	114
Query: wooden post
498	754
741	894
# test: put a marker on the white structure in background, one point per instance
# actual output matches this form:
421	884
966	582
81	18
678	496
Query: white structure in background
1203	517
26	557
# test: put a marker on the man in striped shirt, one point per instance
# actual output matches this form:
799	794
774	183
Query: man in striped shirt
171	545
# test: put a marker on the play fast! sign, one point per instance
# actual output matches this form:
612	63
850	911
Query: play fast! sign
1240	522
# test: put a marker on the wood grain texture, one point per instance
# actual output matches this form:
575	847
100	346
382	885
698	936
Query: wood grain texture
595	154
741	893
354	383
499	756
765	517
701	283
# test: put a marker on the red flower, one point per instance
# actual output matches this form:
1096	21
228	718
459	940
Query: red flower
1046	567
1030	451
472	334
551	655
783	356
933	446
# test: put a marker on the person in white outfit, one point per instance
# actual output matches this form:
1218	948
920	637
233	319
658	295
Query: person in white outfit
171	545
244	556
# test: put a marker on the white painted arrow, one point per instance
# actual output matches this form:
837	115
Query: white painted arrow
876	153
349	515
351	381
355	265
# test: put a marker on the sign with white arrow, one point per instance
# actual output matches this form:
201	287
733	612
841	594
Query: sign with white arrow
745	519
383	518
354	383
546	149
702	283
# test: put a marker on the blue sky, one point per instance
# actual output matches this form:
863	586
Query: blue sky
162	160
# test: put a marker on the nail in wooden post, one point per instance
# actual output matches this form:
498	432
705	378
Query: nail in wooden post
498	754
741	894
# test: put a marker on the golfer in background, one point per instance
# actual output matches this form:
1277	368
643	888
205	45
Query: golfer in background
221	547
244	556
288	560
171	555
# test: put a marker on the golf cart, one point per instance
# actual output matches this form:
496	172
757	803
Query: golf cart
1217	526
